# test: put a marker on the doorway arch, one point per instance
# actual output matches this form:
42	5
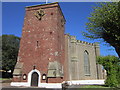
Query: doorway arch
34	79
34	74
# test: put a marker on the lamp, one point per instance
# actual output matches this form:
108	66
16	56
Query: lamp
44	77
24	77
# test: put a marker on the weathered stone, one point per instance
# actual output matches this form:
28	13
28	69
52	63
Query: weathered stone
75	59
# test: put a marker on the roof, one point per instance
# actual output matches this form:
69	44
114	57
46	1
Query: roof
41	5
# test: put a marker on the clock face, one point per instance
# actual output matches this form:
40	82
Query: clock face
39	14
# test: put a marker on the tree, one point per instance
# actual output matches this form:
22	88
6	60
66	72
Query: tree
104	23
112	65
10	47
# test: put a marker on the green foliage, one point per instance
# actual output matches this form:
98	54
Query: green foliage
112	65
104	23
10	47
118	73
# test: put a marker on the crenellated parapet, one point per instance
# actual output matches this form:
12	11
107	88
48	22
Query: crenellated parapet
74	40
83	42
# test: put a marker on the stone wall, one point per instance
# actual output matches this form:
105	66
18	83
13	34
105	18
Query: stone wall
75	57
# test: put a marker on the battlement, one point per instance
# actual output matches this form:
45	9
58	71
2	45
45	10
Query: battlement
74	40
83	42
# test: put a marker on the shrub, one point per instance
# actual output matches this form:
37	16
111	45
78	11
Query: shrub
112	65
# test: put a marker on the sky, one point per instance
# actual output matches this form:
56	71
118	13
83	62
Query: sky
75	13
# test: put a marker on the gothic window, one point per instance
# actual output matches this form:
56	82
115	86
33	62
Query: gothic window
86	63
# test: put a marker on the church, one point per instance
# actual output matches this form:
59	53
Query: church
48	55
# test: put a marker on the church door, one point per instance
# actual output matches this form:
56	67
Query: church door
34	79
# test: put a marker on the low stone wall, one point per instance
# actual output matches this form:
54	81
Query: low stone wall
42	85
59	85
86	82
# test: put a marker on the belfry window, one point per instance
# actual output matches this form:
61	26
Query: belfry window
86	63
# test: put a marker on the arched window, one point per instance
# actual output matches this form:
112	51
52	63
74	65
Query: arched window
86	63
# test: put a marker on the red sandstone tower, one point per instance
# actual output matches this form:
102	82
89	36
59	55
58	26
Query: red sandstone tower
42	46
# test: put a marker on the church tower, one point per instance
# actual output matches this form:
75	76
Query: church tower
42	46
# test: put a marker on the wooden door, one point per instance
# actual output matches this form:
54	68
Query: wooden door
34	79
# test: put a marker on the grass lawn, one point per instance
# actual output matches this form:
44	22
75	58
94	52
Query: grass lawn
94	86
5	78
